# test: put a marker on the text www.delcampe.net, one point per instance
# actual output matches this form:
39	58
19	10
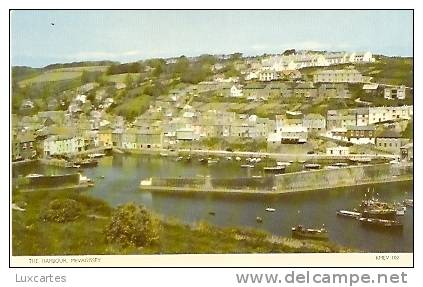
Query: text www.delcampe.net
344	279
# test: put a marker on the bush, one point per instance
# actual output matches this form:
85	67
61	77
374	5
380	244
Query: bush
62	210
132	226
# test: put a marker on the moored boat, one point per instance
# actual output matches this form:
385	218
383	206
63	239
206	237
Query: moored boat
409	202
300	231
275	169
381	223
86	163
312	165
96	155
259	219
269	209
379	213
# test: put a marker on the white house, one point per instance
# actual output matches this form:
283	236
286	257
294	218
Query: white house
381	114
290	134
394	93
268	75
62	145
361	57
236	91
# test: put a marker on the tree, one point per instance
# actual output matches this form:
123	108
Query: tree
132	226
62	210
289	52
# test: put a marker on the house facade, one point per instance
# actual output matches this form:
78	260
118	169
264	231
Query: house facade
63	145
338	76
391	93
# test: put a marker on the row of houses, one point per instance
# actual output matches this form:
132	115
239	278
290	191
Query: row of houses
309	59
262	91
367	116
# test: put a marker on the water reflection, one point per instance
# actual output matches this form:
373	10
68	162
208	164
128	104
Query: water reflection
122	174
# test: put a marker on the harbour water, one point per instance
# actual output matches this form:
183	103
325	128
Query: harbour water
122	175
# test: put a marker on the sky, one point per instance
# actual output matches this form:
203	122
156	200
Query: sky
126	36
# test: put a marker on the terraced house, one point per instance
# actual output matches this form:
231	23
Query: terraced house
63	145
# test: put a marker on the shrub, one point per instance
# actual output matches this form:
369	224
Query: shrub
62	210
132	226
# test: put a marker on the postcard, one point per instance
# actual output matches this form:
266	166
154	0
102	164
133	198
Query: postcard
211	138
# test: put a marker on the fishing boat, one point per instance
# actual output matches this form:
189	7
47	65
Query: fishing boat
96	155
300	231
379	213
202	160
212	161
409	202
400	212
381	223
347	213
212	213
87	163
275	169
31	175
340	164
269	209
228	158
238	158
259	219
312	165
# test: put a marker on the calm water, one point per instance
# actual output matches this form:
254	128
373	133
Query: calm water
123	173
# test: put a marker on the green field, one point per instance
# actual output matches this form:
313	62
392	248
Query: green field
61	74
52	76
121	78
80	69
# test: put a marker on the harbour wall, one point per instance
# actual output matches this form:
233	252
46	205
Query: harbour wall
341	177
287	183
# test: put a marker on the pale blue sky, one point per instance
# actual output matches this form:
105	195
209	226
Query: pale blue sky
132	35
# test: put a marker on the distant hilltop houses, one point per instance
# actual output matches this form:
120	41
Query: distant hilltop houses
309	59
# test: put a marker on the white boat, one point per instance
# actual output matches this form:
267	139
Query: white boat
400	212
146	182
229	158
212	161
269	209
238	158
34	175
312	165
96	155
283	163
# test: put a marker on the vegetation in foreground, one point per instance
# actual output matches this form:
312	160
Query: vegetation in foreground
71	223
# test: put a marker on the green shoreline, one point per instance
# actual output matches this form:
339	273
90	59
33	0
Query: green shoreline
85	235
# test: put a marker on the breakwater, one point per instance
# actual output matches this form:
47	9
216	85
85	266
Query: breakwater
286	183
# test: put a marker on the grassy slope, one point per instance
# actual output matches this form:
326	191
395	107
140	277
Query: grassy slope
51	76
121	78
60	74
32	236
